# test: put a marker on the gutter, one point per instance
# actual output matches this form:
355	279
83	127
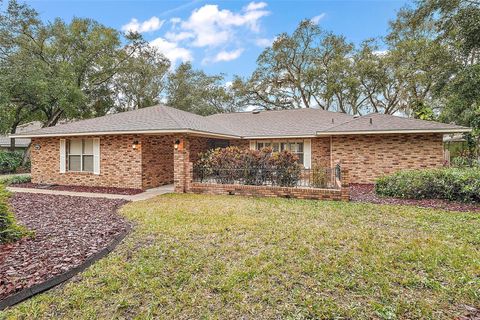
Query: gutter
226	136
336	133
105	133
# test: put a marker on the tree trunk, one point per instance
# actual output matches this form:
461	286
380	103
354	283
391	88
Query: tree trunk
26	155
13	130
12	144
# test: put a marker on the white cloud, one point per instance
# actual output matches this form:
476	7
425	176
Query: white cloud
175	20
223	56
227	55
211	26
176	37
264	42
151	24
318	18
255	6
172	51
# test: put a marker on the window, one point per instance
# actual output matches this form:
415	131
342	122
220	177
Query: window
293	146
80	155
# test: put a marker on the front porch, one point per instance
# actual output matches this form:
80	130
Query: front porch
333	186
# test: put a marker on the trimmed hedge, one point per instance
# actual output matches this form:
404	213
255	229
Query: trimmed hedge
9	230
453	184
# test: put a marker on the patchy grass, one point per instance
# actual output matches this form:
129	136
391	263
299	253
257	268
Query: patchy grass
196	256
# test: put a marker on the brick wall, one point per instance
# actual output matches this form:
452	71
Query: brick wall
120	164
368	157
321	152
270	191
157	160
197	145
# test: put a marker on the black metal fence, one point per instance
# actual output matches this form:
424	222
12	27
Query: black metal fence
324	178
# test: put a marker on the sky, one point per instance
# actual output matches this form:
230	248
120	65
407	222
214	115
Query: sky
225	36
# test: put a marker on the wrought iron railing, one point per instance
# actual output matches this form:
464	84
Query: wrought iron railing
319	177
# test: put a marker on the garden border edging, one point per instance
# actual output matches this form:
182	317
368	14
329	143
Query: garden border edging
50	283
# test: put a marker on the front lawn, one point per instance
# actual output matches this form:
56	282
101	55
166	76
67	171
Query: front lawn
196	256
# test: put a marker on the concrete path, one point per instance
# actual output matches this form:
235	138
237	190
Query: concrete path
150	193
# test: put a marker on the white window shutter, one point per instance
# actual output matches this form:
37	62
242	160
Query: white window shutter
307	153
252	145
96	155
63	156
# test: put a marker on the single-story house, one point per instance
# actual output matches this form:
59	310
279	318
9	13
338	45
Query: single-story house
22	143
155	146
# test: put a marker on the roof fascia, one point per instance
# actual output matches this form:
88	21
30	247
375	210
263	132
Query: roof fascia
326	133
105	133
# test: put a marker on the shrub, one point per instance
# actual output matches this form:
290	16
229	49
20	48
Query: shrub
319	177
252	167
463	162
453	184
9	230
9	180
10	161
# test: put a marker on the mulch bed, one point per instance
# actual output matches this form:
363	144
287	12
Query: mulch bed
366	193
124	191
67	231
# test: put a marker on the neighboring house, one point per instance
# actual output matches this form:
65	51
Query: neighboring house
21	143
155	146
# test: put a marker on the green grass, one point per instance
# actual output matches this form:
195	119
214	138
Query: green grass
215	257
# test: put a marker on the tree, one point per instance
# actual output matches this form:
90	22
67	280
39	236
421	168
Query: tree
77	70
310	68
141	80
194	91
453	26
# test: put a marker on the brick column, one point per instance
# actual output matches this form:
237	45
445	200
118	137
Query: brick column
182	173
345	185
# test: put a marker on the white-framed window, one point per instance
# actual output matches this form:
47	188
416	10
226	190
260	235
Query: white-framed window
296	147
80	155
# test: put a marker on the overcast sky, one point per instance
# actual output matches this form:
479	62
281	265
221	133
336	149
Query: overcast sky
225	36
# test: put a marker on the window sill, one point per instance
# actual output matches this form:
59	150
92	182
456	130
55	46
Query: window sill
87	173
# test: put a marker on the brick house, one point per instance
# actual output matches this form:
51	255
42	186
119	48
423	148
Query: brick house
155	146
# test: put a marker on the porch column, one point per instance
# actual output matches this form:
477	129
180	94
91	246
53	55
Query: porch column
345	185
182	171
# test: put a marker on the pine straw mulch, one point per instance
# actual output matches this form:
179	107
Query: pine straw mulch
366	193
67	231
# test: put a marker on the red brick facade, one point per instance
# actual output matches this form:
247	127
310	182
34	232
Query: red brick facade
149	165
157	161
153	162
368	157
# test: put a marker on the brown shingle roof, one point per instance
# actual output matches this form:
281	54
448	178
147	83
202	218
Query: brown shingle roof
265	124
377	122
294	122
152	119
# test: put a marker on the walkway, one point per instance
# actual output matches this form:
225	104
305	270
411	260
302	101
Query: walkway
150	193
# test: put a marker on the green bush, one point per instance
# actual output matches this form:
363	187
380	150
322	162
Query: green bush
15	179
251	167
9	230
463	162
10	161
453	184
